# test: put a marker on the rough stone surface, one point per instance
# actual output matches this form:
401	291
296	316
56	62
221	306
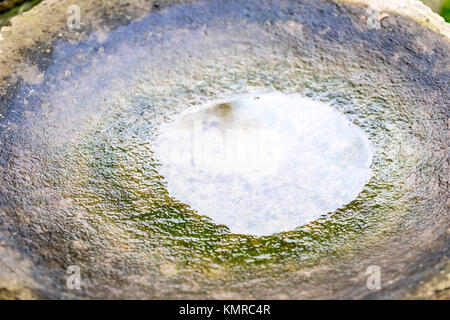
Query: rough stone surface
26	54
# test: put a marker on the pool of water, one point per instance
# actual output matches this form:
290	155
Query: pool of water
264	163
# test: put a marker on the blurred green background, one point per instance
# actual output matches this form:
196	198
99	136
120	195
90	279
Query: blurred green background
440	6
11	8
445	10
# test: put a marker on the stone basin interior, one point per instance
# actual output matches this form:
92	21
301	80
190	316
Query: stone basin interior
100	165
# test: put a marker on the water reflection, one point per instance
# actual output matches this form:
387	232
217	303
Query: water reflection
262	164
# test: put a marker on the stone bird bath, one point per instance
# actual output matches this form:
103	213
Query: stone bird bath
82	187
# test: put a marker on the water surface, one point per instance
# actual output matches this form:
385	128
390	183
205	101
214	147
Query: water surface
262	164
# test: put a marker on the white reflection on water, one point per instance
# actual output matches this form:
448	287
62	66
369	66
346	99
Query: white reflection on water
263	164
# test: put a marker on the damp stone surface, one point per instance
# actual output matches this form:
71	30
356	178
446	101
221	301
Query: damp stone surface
82	181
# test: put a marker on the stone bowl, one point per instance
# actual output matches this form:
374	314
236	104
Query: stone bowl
84	87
